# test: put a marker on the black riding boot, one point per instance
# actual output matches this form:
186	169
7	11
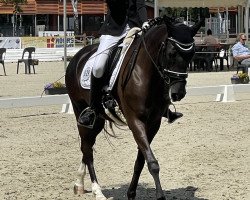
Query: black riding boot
172	116
88	116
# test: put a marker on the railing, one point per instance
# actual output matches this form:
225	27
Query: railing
42	54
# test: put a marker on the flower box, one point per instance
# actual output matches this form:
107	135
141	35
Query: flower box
55	88
235	80
53	91
240	78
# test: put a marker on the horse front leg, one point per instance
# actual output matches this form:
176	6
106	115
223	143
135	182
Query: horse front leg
143	137
140	161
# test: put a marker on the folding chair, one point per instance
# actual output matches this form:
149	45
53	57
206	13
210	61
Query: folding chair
2	56
27	60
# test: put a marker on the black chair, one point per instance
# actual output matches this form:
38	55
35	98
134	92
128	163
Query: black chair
197	62
2	56
27	59
210	57
204	57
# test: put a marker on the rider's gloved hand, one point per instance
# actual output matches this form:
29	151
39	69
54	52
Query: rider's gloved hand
145	26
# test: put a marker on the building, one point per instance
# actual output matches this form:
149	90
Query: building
47	15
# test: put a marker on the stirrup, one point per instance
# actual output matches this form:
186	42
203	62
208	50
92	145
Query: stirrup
87	118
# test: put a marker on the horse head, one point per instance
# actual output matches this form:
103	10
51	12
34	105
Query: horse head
179	51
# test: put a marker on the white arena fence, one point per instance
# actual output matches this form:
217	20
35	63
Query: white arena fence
224	93
42	54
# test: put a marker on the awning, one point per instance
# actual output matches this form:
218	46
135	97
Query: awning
201	3
205	3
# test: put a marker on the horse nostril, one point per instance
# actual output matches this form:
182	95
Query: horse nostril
177	96
174	97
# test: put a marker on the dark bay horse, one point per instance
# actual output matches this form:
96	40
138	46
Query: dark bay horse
142	93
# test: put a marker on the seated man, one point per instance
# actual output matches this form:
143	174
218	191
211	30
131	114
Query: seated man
240	50
209	39
211	42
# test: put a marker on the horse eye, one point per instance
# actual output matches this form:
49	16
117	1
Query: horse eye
173	53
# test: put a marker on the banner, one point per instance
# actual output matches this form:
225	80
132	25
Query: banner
58	42
10	42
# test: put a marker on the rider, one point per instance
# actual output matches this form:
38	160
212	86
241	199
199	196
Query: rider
121	17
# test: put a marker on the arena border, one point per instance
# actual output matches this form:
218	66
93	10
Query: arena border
224	93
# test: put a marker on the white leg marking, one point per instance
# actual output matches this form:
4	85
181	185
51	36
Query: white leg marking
79	184
97	191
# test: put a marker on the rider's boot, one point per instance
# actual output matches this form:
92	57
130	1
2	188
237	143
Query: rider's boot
172	116
88	116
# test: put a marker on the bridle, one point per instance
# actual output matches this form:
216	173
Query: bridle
170	77
181	48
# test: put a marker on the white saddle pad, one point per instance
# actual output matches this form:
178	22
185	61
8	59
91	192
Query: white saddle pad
86	73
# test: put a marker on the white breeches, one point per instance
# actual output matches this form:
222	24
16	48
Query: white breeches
106	41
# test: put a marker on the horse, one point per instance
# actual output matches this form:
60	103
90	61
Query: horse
143	91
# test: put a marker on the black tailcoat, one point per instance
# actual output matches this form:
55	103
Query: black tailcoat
123	12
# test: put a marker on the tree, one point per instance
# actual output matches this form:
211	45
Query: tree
16	9
16	4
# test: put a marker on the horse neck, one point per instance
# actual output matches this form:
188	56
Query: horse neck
147	60
154	38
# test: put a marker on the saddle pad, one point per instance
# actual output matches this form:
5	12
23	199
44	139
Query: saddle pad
86	73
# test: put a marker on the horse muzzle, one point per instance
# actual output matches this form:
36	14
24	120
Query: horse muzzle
178	91
177	96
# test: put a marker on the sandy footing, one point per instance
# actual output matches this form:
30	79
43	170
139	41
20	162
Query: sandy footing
204	155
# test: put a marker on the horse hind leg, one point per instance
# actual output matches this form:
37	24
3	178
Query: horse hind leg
96	188
88	137
139	164
79	184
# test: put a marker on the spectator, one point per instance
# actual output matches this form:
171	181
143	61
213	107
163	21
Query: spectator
209	57
240	50
209	39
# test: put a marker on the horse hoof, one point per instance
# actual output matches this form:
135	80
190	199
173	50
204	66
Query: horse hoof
78	189
101	198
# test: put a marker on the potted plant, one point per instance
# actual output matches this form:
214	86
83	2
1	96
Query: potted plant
55	88
240	78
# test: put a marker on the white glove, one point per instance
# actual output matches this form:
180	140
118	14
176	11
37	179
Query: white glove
145	25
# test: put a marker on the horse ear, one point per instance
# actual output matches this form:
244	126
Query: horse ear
168	20
197	26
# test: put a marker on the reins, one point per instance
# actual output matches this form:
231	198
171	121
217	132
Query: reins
163	70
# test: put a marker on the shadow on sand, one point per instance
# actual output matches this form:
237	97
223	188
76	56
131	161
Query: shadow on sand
146	193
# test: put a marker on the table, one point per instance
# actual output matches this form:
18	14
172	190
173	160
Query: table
205	55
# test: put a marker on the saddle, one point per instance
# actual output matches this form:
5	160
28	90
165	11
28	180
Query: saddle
112	68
